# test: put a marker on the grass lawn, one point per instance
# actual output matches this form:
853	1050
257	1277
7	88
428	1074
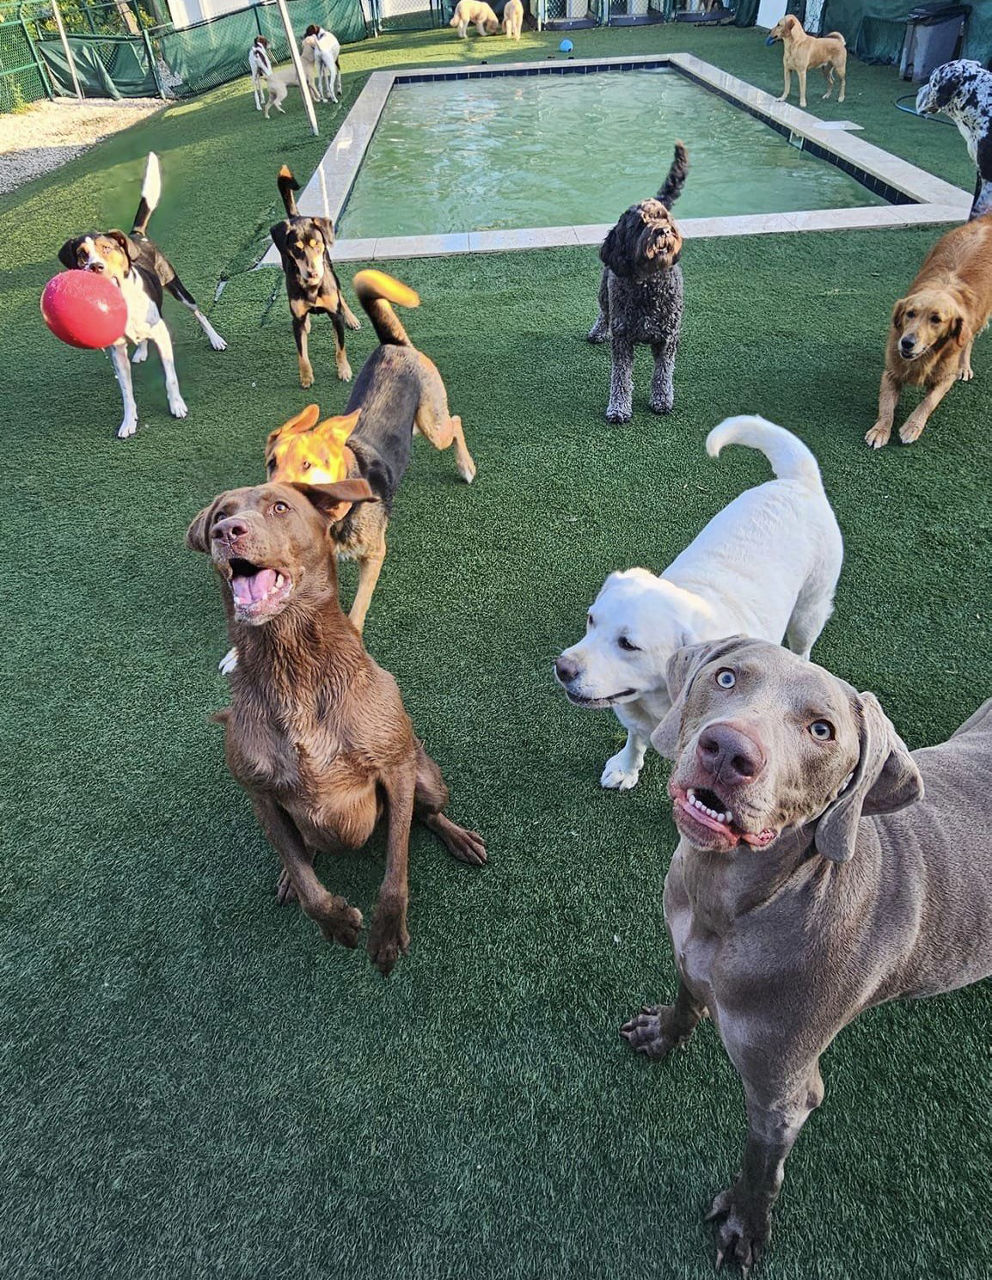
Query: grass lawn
195	1084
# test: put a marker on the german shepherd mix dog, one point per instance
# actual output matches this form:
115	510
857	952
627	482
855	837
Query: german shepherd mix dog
399	390
142	272
316	732
304	245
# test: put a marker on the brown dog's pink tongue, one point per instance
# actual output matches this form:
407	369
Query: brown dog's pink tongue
249	590
262	583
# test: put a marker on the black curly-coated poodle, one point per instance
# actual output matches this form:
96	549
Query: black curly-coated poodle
641	294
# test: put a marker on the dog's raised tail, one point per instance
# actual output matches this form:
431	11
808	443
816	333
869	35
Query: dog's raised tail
375	292
288	186
671	188
151	191
837	35
790	458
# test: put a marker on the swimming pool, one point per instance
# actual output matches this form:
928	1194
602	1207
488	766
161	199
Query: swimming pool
889	191
516	151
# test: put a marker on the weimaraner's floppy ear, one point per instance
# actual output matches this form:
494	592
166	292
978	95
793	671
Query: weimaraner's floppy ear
885	779
683	666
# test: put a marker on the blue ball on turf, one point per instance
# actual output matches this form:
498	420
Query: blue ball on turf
566	46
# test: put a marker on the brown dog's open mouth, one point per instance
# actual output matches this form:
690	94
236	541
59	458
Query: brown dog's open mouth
700	810
258	592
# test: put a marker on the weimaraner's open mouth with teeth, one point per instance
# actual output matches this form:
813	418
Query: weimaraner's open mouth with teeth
813	880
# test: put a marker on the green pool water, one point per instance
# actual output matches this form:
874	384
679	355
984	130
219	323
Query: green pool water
545	151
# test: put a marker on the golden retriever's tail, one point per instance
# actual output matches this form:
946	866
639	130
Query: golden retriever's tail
837	35
790	458
671	188
375	292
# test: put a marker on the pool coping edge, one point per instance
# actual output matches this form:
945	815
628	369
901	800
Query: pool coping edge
932	200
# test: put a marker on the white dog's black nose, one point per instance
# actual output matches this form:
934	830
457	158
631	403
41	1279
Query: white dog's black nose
729	755
566	670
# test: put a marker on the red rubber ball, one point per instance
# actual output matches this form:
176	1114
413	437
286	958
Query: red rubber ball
84	309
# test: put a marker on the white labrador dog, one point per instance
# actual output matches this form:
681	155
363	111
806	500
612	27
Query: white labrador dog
766	566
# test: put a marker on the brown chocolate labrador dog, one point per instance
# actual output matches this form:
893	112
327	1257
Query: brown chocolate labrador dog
316	732
815	878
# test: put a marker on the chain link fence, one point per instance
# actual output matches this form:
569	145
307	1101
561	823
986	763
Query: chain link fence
22	74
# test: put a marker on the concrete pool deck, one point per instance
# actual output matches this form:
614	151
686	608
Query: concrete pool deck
923	197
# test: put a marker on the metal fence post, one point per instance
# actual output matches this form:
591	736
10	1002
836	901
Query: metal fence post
294	53
153	64
65	47
46	80
258	20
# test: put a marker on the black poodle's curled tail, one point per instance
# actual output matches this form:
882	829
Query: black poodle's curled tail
671	188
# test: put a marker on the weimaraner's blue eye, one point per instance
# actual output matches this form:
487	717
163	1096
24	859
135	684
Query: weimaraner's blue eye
822	730
725	678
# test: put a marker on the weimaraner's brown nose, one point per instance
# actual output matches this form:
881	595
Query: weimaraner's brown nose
566	670
229	530
729	755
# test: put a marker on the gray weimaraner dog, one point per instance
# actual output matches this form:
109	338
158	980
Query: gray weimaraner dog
813	880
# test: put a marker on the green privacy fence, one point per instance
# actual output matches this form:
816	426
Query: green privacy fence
169	62
875	29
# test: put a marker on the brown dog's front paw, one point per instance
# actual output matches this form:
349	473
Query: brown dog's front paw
911	431
878	436
651	1032
341	924
284	890
744	1231
388	939
306	375
468	846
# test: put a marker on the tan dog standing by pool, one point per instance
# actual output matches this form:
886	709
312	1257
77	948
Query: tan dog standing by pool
934	327
474	13
513	18
802	53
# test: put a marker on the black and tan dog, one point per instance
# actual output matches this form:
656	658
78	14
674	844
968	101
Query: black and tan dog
304	245
398	390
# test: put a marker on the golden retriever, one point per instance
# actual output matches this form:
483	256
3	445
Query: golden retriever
802	53
474	13
934	326
513	18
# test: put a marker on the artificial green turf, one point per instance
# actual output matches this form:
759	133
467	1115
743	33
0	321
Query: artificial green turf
196	1085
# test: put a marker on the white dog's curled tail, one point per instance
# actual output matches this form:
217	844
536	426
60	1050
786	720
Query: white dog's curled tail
790	458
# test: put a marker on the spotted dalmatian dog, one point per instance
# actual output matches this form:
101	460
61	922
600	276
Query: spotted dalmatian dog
963	90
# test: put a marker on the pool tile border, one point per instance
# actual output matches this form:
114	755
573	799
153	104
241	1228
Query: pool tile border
914	197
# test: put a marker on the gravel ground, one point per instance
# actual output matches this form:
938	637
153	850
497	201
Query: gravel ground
48	134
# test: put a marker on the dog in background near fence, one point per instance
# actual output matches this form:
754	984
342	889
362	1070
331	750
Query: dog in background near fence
641	294
475	13
260	67
142	272
802	53
321	53
962	89
513	18
304	246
